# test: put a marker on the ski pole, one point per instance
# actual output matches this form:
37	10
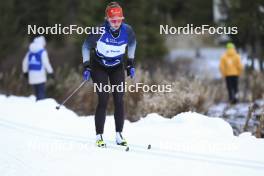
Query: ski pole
58	107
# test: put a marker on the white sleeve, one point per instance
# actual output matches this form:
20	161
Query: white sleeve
46	63
25	64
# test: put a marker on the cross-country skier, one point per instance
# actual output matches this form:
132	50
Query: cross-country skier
36	65
107	63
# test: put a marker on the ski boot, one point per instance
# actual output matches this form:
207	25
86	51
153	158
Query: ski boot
99	141
120	140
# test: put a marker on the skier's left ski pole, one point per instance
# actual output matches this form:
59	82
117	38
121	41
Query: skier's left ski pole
58	107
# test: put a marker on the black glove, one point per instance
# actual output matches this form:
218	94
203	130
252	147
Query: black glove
26	75
51	76
130	68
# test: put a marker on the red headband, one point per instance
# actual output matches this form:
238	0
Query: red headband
112	12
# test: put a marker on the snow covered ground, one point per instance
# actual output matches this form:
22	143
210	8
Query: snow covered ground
38	140
237	115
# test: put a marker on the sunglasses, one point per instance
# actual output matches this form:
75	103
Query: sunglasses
114	21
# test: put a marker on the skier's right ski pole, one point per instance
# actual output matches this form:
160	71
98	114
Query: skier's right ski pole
58	107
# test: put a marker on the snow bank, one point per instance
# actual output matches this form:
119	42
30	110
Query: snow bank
40	140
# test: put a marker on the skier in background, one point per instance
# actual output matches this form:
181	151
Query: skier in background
36	65
107	63
231	68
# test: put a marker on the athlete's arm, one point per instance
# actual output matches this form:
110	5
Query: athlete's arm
131	48
88	44
46	62
25	64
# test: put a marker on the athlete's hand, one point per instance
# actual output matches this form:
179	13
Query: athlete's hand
131	71
86	71
86	74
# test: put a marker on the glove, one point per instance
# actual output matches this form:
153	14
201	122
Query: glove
131	72
86	71
130	68
51	76
26	75
86	74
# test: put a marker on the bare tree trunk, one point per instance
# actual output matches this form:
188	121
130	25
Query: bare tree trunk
251	110
260	127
